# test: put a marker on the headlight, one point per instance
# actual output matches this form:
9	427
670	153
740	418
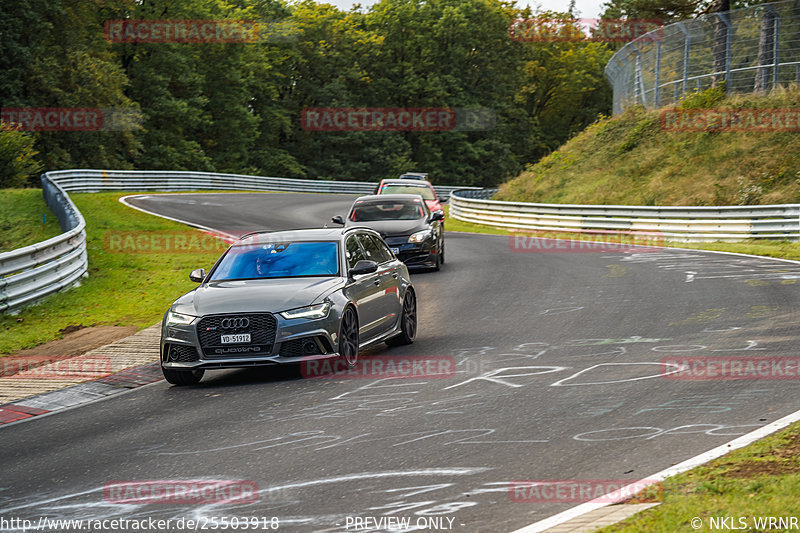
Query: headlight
419	236
310	311
179	318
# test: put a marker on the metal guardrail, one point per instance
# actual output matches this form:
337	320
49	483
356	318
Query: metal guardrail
681	224
166	181
752	49
31	273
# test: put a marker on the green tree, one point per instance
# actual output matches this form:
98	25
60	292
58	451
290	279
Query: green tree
58	58
17	158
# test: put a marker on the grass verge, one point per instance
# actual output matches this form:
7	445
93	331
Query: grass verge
21	213
633	159
755	482
135	273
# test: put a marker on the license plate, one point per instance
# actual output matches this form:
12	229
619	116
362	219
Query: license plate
395	251
238	338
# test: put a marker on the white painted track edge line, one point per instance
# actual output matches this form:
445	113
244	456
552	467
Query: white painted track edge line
123	201
714	453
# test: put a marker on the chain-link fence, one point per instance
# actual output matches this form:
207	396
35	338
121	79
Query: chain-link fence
751	49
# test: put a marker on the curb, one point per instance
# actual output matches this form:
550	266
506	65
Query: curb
132	363
76	395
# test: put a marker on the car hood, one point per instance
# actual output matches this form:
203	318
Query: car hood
256	295
390	228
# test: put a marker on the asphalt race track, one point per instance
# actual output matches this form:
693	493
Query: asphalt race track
561	360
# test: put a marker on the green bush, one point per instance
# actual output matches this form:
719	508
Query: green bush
704	99
17	158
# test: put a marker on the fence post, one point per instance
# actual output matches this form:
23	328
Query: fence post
686	44
725	18
775	46
639	79
658	74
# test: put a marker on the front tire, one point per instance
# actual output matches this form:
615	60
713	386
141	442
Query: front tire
348	337
408	322
183	377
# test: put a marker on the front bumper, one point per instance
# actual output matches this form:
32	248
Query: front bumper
293	341
414	254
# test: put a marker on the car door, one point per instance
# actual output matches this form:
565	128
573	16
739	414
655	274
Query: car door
365	292
392	281
386	282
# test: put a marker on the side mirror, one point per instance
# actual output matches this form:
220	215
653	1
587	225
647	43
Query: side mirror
338	220
364	266
437	215
198	275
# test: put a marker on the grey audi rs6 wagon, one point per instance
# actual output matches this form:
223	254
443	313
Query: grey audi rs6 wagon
289	297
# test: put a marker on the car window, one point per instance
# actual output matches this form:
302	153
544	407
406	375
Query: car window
353	252
279	260
371	248
370	212
383	250
422	190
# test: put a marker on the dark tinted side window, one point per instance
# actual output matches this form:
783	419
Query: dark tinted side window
353	251
374	253
386	254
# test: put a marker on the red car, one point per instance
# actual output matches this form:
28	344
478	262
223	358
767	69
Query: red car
407	186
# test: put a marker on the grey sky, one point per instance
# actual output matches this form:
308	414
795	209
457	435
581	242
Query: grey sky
586	8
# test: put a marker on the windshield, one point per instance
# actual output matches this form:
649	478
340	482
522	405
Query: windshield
387	211
278	260
423	191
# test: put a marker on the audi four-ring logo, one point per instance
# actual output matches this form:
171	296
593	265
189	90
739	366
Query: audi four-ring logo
235	323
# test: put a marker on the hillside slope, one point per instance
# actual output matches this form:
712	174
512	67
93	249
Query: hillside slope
631	160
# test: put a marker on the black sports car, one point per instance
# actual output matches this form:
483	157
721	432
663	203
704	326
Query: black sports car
411	230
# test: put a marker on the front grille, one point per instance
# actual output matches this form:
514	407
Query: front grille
179	353
396	241
300	347
261	328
